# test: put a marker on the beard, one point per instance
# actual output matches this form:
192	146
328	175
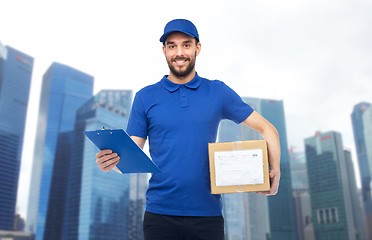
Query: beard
184	71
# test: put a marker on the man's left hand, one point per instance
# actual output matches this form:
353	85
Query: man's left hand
274	183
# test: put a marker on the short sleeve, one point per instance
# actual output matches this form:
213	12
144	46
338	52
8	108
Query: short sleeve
137	124
233	107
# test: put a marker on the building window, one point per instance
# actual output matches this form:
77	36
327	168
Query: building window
327	215
318	215
334	214
321	218
328	218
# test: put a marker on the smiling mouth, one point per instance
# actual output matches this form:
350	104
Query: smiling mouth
180	61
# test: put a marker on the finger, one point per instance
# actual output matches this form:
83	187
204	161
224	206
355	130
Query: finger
274	186
108	165
105	158
103	152
273	191
268	193
265	193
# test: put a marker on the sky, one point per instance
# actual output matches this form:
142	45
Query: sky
315	55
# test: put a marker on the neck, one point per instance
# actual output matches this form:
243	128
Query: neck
181	80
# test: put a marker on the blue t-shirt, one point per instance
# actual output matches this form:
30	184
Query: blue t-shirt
179	121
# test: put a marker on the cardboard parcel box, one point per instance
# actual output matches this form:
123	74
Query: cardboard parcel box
239	166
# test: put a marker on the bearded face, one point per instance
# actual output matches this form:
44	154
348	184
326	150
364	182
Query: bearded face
181	66
180	51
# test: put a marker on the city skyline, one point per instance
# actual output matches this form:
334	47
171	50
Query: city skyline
314	55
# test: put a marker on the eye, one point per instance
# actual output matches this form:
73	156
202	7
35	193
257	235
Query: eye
187	45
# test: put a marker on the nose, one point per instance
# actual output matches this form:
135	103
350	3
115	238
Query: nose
179	51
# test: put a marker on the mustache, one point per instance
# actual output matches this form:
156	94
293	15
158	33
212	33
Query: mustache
180	59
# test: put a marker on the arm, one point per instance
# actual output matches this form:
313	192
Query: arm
140	141
270	134
107	160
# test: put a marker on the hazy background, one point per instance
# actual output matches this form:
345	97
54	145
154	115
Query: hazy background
315	55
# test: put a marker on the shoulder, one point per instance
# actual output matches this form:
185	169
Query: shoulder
220	87
212	83
215	86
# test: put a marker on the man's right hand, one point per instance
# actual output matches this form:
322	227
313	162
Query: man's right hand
107	160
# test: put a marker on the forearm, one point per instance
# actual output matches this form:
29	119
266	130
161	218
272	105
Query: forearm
273	146
139	141
270	134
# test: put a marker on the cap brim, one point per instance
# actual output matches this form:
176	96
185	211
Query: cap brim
165	35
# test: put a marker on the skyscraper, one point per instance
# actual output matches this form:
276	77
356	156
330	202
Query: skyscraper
356	205
137	197
15	79
64	91
329	187
236	214
362	128
98	203
300	187
280	208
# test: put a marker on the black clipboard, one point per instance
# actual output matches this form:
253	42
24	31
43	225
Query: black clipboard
132	158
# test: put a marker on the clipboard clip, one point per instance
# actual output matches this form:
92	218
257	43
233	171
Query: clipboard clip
103	128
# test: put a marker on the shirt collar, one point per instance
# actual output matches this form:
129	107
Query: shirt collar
171	87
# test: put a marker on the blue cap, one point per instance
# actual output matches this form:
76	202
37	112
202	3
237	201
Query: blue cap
180	25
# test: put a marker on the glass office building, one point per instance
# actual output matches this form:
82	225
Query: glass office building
357	209
367	122
281	207
15	79
362	129
64	91
281	221
137	198
298	170
98	203
300	188
329	187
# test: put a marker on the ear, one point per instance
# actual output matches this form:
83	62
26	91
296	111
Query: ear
164	50
198	48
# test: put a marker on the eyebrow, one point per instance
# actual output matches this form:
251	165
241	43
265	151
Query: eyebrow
187	41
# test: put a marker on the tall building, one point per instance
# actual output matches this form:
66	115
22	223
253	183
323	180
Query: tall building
362	128
236	215
15	79
64	91
98	203
367	121
281	206
273	217
301	195
356	204
59	186
329	187
298	170
137	198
